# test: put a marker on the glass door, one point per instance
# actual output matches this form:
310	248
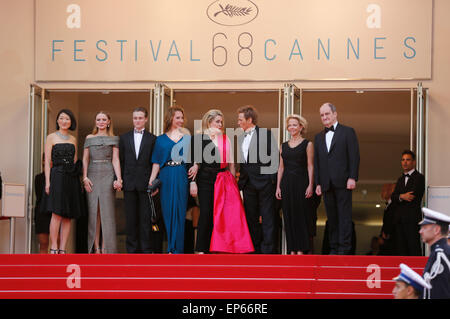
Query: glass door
38	111
419	99
291	104
162	100
420	127
419	105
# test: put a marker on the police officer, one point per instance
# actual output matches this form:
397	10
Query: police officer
434	232
409	284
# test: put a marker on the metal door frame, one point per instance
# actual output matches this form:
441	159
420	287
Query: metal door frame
35	90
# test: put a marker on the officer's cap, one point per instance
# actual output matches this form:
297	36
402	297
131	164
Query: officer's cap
412	278
434	217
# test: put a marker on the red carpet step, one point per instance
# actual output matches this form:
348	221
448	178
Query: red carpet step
219	276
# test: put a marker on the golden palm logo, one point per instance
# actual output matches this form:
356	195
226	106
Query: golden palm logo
232	12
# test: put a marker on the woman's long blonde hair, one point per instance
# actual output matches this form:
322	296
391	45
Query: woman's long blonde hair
211	115
109	129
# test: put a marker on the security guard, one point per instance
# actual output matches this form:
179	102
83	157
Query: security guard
409	284
434	231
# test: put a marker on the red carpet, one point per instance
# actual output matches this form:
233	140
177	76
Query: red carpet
126	276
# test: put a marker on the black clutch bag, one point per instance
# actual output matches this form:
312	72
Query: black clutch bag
154	186
150	189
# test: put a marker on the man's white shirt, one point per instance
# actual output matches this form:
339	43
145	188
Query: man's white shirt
329	136
246	142
409	173
137	141
406	181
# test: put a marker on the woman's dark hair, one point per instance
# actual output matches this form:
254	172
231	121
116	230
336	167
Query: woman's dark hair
73	122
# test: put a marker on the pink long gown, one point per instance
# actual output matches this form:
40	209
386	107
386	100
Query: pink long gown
230	232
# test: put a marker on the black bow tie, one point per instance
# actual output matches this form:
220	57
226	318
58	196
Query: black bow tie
331	128
406	175
139	132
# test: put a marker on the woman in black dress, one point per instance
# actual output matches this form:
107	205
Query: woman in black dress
62	181
295	185
206	173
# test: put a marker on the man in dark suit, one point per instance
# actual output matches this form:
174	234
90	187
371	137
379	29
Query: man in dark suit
258	158
336	166
407	197
135	152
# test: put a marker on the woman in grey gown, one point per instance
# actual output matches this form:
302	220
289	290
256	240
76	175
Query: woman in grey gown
100	166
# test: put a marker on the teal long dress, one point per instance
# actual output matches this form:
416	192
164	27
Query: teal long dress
174	189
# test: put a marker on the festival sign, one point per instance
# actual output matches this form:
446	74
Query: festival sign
232	40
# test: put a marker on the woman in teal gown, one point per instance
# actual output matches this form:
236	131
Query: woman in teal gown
169	161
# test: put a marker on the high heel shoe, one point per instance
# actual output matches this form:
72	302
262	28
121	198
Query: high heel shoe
61	252
54	251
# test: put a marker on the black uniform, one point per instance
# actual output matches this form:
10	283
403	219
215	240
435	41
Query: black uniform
437	271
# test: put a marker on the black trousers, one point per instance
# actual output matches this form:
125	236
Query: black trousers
261	202
338	204
138	224
206	217
407	239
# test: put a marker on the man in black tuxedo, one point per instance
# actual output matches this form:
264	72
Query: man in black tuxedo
407	197
336	166
258	158
135	152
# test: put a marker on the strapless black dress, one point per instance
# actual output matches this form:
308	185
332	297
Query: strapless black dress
65	198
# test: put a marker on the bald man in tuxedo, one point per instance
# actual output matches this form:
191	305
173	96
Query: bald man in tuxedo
336	166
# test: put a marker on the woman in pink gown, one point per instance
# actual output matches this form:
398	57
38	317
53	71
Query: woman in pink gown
230	231
227	230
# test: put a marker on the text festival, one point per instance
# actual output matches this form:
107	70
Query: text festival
159	51
225	48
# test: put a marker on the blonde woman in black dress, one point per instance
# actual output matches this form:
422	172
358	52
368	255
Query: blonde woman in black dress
62	180
100	164
295	185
